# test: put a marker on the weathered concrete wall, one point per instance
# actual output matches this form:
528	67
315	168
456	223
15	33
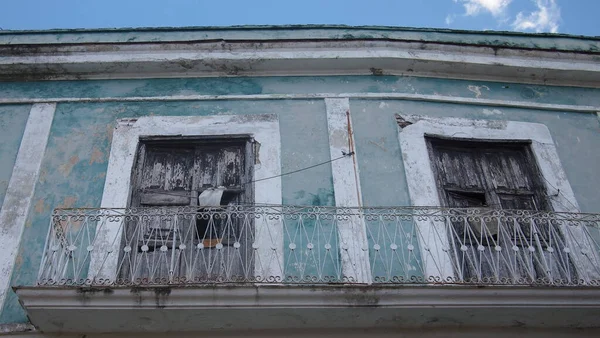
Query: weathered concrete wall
12	124
298	85
576	137
74	166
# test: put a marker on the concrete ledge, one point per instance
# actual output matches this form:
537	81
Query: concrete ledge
285	58
433	332
272	307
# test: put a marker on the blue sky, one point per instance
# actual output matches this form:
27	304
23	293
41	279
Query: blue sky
561	16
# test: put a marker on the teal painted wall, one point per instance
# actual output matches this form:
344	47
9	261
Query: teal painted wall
576	135
298	85
74	166
13	119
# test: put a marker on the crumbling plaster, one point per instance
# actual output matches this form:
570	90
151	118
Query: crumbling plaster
74	168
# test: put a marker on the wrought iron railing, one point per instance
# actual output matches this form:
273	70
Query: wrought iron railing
313	245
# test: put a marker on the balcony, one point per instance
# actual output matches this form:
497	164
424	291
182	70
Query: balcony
300	259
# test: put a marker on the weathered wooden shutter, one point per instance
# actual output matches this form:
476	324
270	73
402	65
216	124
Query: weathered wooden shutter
223	166
173	174
495	175
163	178
462	185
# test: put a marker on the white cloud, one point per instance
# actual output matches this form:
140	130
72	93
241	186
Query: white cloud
474	7
449	19
544	19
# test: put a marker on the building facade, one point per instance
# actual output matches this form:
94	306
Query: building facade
295	181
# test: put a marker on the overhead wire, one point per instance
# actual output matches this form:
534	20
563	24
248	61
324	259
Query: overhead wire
344	154
303	169
558	192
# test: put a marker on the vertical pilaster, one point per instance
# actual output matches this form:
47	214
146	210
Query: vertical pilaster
346	184
21	188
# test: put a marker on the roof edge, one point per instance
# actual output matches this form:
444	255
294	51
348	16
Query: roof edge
293	27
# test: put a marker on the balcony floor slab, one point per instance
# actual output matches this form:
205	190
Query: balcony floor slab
281	307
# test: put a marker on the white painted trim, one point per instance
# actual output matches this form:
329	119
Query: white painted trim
263	128
21	188
423	191
462	57
312	96
309	58
346	185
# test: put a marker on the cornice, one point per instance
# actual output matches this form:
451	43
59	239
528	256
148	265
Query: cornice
298	58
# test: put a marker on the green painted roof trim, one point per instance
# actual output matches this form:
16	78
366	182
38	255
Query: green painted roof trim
559	42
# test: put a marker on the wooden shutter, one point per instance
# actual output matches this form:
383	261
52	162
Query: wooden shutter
496	175
223	166
163	178
171	173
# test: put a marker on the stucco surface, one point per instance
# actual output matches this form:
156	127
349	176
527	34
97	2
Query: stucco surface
301	85
74	166
12	124
576	137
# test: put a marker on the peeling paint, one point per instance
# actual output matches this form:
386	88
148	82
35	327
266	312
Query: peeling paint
82	134
66	168
491	112
20	194
12	124
97	156
39	206
68	202
477	89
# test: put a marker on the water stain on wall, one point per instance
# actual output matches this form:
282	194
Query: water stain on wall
97	156
66	168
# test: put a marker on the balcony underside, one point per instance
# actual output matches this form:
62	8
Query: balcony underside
276	307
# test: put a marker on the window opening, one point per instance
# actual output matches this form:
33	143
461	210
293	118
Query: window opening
497	175
177	236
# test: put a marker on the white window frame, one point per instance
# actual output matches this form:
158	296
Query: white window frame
264	129
420	177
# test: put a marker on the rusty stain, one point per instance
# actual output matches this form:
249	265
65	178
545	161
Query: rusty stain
97	156
70	224
68	202
352	151
39	206
66	168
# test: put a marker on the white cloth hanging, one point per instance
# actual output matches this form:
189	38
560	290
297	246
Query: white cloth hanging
211	197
